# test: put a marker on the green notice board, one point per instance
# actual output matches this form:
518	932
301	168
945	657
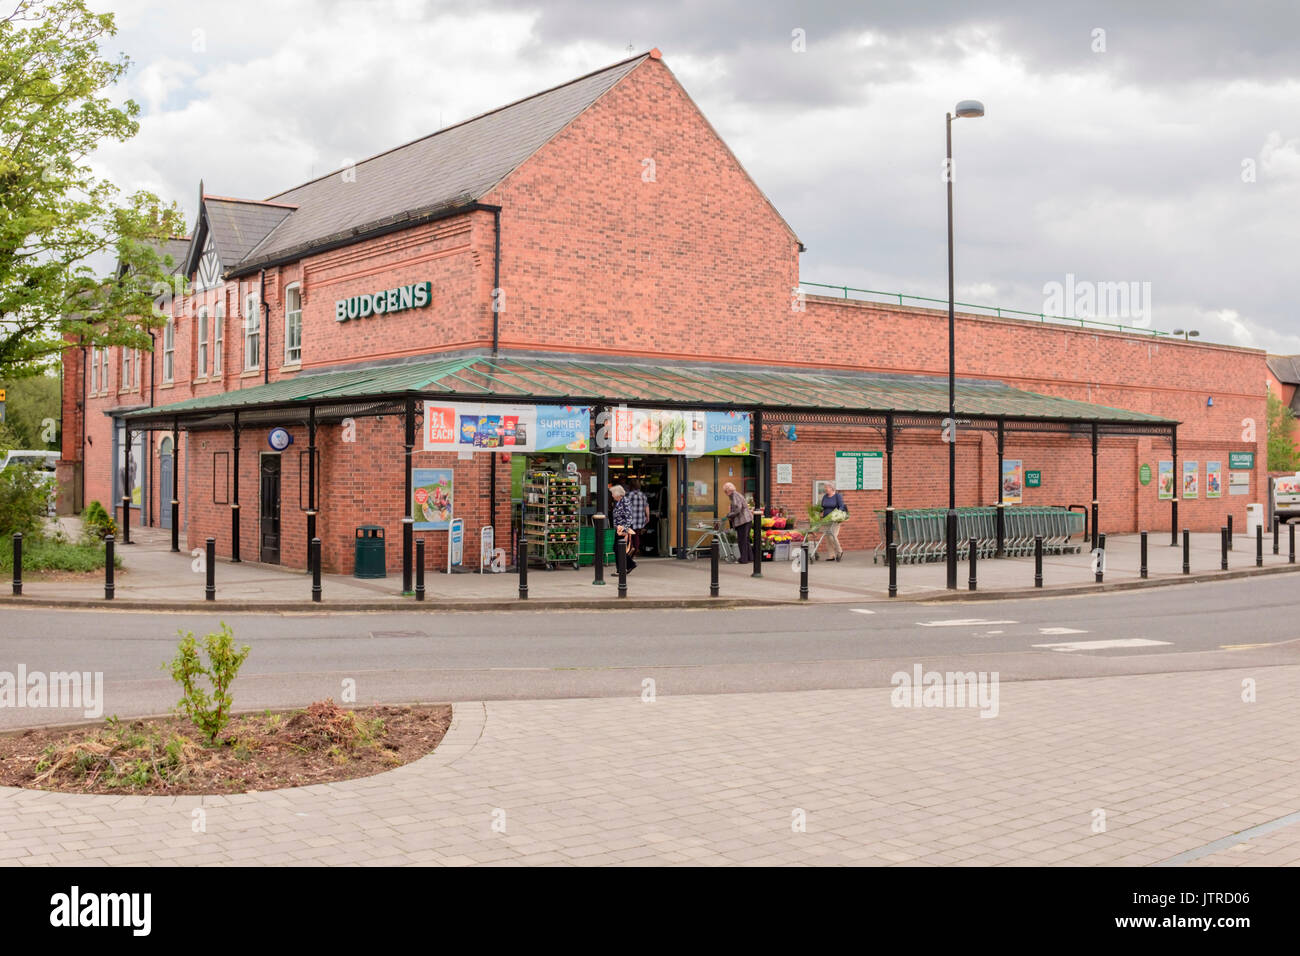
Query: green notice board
859	470
1034	479
1241	460
1144	474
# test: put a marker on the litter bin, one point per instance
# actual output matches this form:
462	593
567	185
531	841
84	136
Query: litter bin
1254	518
369	561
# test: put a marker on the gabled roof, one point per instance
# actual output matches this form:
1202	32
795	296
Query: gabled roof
1285	368
452	167
234	225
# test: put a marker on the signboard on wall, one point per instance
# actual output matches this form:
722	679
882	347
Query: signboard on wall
1013	480
1034	479
785	474
432	492
670	431
1165	479
859	470
476	427
1191	479
1241	460
1238	482
1213	479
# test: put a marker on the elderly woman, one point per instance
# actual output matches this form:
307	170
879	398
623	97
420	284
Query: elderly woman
832	500
623	520
741	518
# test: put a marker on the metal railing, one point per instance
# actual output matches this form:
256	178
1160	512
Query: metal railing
1042	317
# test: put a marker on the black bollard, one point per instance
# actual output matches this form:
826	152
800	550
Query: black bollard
620	563
315	570
1187	551
176	525
18	563
419	568
1223	548
893	569
1095	526
805	560
522	562
1142	571
970	585
1277	522
210	563
109	586
1290	555
1229	532
1101	557
713	568
1173	523
758	543
1259	545
1038	561
598	558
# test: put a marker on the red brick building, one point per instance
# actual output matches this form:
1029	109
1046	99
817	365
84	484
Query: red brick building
591	246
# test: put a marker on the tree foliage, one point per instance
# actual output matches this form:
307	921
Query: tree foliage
57	217
1282	453
32	411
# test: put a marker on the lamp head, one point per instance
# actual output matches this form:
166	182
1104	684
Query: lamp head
969	109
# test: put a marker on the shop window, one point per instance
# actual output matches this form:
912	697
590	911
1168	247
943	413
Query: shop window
220	321
292	325
252	334
169	351
202	363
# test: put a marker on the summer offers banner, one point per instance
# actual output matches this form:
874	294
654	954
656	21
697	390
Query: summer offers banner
458	426
667	431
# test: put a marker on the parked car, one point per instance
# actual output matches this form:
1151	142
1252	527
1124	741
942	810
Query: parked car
1286	497
44	462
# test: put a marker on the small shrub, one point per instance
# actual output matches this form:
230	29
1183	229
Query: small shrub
97	523
210	712
24	500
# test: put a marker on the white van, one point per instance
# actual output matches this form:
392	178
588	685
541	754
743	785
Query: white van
1286	496
45	462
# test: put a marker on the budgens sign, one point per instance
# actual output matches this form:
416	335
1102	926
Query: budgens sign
414	296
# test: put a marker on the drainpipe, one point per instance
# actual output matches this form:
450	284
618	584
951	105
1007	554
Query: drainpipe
496	278
266	327
82	481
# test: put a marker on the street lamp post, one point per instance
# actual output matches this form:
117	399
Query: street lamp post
966	109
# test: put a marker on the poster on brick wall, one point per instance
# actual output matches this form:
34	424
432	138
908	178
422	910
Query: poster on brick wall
1013	480
1191	479
432	491
1165	479
463	427
1213	479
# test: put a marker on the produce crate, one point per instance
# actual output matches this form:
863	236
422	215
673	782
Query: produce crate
587	546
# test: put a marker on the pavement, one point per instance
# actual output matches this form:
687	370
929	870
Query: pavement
1181	768
153	576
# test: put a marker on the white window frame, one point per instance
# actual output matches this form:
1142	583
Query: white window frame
169	350
128	368
293	289
220	336
201	352
94	370
252	333
105	386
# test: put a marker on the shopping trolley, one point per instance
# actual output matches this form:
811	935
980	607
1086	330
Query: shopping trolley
728	549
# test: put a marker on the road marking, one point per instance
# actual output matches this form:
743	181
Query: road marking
861	610
994	632
962	622
1243	647
1101	645
1059	630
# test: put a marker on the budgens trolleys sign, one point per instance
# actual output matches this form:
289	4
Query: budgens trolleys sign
414	296
457	426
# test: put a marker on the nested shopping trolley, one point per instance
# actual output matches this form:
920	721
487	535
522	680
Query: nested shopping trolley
920	533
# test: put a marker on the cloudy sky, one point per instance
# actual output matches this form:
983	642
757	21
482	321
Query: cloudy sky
1156	142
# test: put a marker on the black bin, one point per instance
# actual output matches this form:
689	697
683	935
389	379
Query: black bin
370	560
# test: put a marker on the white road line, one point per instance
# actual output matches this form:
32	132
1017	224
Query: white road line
1101	645
1059	630
861	610
962	622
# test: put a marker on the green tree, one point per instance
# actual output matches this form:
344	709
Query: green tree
1282	454
32	411
56	216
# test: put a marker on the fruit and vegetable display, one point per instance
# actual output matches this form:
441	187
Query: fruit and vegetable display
551	518
778	529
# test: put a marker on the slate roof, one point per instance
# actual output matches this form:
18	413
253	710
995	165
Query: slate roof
238	225
566	380
452	167
178	249
1286	368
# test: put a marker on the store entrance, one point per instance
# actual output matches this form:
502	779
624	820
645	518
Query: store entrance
651	472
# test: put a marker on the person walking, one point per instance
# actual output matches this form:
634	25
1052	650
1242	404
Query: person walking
740	518
638	513
623	521
832	500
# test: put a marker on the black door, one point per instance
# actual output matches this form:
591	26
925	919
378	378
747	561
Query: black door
270	509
